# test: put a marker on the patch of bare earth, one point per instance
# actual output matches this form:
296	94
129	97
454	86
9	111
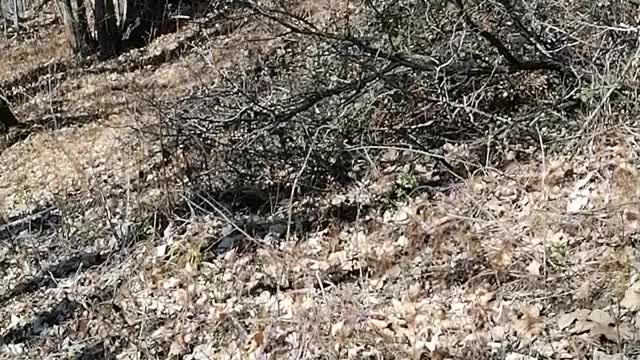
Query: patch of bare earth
45	45
87	128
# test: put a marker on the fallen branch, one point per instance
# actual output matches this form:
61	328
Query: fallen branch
9	227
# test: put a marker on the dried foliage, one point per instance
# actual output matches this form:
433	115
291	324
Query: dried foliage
354	179
324	85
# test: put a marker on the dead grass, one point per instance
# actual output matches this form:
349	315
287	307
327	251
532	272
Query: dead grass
103	155
47	45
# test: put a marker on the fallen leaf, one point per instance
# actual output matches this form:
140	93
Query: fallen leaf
498	333
161	250
484	296
613	333
378	324
582	326
377	283
631	298
565	320
534	268
415	290
599	355
578	201
601	317
202	352
336	328
402	241
178	346
529	323
609	332
631	221
517	356
258	337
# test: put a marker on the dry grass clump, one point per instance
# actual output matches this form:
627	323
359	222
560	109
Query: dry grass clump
46	45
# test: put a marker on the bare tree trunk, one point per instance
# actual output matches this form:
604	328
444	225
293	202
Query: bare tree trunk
107	30
140	18
7	119
121	10
76	25
9	10
16	21
115	21
3	13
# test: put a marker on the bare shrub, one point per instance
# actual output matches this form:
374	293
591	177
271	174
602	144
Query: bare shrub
332	84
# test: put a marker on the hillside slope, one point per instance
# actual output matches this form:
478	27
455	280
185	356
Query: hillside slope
110	248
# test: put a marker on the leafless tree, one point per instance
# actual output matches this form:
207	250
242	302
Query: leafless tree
74	17
339	87
113	21
107	32
11	11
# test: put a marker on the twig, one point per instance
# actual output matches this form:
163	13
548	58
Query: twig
605	99
512	60
29	218
226	218
295	184
544	192
295	181
400	148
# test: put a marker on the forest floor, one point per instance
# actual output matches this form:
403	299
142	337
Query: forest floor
536	259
